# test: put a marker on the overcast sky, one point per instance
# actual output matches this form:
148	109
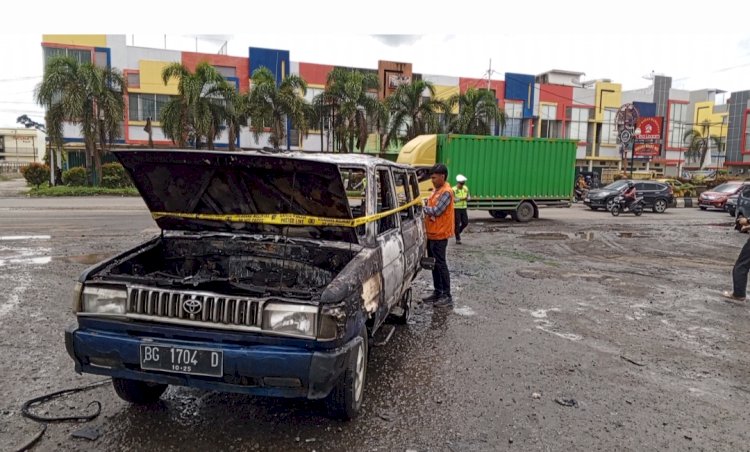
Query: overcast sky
700	46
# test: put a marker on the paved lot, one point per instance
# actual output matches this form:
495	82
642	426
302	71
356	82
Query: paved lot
620	315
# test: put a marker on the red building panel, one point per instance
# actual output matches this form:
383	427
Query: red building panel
317	74
558	94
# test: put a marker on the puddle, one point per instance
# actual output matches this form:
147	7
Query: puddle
86	259
25	237
546	236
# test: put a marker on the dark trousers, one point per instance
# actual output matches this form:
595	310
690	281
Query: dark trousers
739	273
462	220
441	279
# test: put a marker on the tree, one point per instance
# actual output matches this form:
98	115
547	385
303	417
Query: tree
699	144
477	110
412	112
351	100
270	104
85	94
237	115
199	110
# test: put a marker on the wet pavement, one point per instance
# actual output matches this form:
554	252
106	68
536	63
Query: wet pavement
579	331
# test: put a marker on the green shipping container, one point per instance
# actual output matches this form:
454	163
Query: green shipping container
510	168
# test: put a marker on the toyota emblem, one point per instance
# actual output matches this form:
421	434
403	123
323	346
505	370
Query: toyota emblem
192	306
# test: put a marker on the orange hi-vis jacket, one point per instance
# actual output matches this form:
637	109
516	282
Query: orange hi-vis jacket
440	227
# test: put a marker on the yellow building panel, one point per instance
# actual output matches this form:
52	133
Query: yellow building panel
608	95
444	92
77	40
706	121
151	82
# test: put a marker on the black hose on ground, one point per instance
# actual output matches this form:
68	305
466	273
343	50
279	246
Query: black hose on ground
26	410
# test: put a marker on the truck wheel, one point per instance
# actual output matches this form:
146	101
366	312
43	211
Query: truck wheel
499	214
345	399
406	308
524	212
138	392
660	205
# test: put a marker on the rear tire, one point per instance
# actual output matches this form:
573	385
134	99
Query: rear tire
138	392
345	399
406	304
660	205
703	208
610	203
525	212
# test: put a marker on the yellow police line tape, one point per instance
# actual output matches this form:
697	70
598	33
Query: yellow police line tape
285	219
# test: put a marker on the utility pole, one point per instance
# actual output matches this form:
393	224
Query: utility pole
489	75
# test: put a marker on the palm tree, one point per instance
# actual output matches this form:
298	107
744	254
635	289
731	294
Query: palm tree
200	108
412	112
699	144
271	104
477	110
237	115
85	94
349	95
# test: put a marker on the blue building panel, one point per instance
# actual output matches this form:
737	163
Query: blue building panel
645	109
277	61
521	87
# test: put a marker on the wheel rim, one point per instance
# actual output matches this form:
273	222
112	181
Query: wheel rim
661	206
359	376
609	204
525	211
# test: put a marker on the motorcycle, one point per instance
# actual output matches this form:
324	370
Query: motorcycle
579	194
620	204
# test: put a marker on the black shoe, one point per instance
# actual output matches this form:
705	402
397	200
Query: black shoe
445	301
435	296
458	242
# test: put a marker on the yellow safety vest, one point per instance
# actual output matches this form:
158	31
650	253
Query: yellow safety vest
460	193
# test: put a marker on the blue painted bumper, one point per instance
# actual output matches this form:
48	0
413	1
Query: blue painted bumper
258	369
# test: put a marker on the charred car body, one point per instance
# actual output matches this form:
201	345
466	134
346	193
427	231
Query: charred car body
270	274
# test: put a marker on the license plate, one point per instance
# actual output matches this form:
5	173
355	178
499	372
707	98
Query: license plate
184	360
586	200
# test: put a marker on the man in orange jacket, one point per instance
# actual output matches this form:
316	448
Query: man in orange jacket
440	224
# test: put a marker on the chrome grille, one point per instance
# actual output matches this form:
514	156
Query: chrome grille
215	310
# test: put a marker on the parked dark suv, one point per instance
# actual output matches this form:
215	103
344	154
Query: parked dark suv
656	195
743	203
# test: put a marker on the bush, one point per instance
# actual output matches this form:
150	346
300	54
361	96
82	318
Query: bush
75	177
35	174
716	182
115	176
65	190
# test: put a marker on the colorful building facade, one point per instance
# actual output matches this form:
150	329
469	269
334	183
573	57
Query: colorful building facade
555	104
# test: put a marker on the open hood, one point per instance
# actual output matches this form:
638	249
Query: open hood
211	182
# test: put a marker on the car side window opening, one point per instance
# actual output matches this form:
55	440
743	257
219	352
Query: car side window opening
403	194
355	184
385	200
414	183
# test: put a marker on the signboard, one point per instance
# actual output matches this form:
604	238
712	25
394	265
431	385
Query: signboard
650	128
396	80
648	137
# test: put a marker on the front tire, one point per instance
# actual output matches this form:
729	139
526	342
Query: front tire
615	210
138	392
660	205
610	203
345	400
703	208
498	214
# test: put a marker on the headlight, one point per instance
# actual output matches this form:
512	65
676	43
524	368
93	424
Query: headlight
104	300
77	297
295	319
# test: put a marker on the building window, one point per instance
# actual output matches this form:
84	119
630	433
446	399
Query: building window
227	71
550	127
82	56
609	128
134	79
513	116
747	132
144	106
677	125
578	123
100	59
